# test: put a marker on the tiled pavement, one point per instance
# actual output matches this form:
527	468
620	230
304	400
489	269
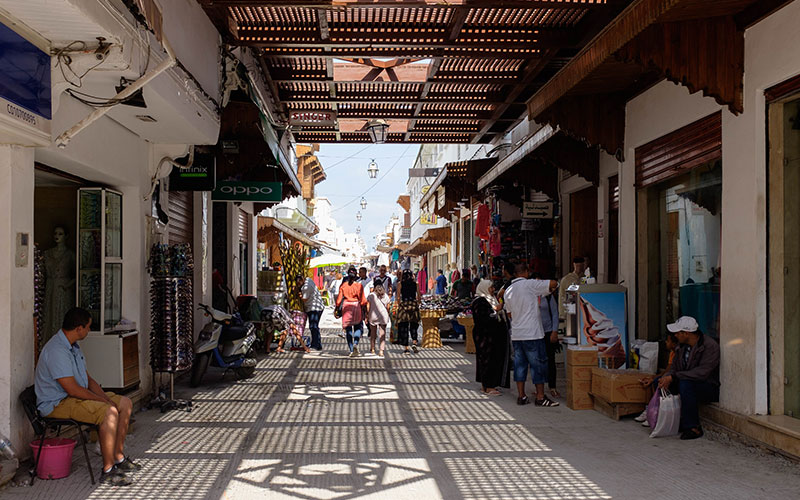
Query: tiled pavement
325	426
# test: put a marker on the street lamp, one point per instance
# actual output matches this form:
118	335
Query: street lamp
358	230
378	130
373	169
363	203
358	215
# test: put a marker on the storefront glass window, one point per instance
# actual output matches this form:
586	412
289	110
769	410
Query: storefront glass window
686	212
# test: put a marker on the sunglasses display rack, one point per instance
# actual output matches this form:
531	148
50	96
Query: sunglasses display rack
171	316
38	297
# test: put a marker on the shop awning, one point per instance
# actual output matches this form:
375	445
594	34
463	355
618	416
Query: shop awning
455	182
265	223
404	200
430	240
535	162
587	97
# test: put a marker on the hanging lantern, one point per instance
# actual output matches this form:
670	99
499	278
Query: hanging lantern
363	203
373	169
378	130
358	215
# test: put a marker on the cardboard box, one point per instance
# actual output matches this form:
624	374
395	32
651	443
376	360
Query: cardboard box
618	386
579	372
578	397
581	356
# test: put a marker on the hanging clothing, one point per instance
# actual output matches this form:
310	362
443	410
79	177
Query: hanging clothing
492	343
482	222
395	254
422	281
495	246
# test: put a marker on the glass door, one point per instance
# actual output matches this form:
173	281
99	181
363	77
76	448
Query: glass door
90	290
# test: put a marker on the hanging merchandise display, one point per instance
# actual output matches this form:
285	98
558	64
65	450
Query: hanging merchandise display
38	298
295	263
482	222
171	308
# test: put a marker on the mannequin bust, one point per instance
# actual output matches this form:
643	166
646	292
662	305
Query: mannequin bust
59	273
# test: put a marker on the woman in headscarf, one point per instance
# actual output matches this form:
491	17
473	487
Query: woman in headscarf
491	340
378	317
351	302
408	311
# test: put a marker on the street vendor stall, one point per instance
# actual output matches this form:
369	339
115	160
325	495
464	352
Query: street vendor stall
433	308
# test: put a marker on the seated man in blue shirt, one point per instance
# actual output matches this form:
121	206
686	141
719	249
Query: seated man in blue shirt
64	389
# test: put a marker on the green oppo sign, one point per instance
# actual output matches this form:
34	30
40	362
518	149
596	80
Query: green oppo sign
247	191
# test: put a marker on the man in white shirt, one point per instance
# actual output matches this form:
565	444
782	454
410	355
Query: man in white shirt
384	279
527	334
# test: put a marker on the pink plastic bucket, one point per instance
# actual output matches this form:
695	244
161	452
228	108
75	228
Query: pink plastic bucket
56	459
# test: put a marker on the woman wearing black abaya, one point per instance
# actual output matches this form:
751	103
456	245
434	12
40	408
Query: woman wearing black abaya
491	340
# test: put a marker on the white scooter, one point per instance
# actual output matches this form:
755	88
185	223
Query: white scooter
225	341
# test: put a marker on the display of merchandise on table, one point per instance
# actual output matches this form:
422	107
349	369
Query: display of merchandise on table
444	302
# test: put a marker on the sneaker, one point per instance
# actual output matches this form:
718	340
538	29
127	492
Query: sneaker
645	424
128	465
406	352
523	400
414	348
642	416
355	350
353	353
115	477
545	402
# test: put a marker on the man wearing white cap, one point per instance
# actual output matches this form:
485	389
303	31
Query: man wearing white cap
694	373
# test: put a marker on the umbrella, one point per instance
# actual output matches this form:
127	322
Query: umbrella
327	260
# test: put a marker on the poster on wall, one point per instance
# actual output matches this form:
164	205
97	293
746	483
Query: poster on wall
602	321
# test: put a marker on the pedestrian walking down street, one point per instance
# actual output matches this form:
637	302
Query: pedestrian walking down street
527	334
314	307
408	311
377	317
351	302
491	340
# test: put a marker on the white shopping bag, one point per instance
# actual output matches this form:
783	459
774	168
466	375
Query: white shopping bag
669	415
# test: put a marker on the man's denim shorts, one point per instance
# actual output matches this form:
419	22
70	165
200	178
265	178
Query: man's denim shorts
533	353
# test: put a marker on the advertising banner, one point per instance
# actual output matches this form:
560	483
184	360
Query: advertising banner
248	191
602	322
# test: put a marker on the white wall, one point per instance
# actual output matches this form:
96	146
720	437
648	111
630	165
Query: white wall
16	291
771	56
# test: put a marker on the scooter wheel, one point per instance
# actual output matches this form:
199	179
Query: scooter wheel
244	372
199	368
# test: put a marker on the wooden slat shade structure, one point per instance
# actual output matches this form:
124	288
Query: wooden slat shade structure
695	43
455	71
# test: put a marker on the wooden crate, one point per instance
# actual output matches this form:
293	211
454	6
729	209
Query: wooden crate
616	410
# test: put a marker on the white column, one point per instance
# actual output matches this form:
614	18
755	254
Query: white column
16	290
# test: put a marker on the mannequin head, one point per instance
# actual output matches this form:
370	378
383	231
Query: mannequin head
59	235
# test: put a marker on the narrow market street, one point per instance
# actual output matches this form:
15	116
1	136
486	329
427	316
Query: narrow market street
407	427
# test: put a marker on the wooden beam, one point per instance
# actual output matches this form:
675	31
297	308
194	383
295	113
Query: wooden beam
457	21
432	70
392	100
273	89
417	4
633	20
322	21
420	53
528	75
475	80
758	11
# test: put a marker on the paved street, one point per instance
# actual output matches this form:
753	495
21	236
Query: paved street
325	426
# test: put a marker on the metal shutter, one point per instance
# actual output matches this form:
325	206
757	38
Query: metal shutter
181	217
682	150
244	226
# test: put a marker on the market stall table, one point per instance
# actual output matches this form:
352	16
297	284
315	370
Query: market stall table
430	327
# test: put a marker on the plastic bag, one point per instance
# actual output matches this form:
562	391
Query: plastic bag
644	356
652	410
669	415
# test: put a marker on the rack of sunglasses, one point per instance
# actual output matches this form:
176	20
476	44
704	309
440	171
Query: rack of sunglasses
38	296
171	314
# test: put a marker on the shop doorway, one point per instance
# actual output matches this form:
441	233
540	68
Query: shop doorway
219	255
55	211
784	254
583	225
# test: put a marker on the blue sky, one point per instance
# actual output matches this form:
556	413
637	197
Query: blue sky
346	167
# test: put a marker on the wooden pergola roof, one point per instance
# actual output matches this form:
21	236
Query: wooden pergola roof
442	71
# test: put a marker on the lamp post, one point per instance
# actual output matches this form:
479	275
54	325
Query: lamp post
373	169
358	230
358	215
378	130
363	203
